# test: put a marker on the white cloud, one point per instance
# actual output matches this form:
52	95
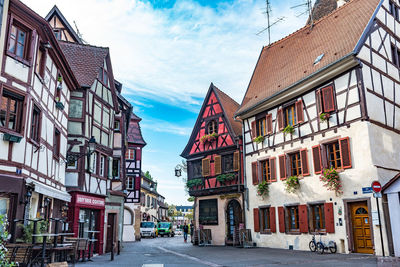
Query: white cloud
166	127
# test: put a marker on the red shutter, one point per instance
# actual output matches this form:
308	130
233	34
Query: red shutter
329	218
282	167
281	214
345	152
269	124
272	166
303	218
327	97
316	151
256	220
253	130
299	111
280	119
319	102
272	219
254	172
304	162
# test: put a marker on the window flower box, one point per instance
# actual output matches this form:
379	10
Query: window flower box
209	137
258	139
12	138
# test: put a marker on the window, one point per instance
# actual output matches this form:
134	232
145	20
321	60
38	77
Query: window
333	155
293	218
395	55
11	111
227	163
295	164
318	217
290	115
40	62
325	100
196	168
93	165
115	168
17	43
265	170
394	10
103	76
208	212
72	163
57	33
212	127
35	132
130	185
56	143
102	165
130	154
116	125
148	201
265	219
261	127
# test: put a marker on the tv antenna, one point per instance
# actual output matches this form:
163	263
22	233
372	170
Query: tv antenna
309	11
79	34
268	11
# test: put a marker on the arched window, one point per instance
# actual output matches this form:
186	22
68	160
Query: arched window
361	211
212	127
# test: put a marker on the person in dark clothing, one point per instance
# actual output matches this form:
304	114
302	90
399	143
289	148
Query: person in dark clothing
191	230
185	231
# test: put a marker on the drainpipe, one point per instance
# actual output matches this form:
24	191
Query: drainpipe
244	174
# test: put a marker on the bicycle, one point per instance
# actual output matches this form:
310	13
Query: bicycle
313	244
321	246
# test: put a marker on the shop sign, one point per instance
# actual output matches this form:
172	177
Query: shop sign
89	200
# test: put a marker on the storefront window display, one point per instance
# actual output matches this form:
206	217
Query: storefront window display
88	221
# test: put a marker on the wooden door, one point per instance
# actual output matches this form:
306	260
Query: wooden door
234	218
110	231
361	228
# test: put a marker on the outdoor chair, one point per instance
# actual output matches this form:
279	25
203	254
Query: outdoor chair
20	254
80	245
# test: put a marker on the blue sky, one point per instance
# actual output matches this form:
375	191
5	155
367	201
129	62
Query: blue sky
167	52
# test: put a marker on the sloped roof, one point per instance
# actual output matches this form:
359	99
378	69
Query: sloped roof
230	106
291	59
85	61
134	134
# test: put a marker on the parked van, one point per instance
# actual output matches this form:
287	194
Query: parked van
148	229
165	228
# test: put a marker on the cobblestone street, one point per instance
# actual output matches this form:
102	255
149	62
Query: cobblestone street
174	252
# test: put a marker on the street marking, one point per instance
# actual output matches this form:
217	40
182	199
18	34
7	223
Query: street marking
153	265
191	258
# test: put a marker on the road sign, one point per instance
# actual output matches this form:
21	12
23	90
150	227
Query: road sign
378	195
367	190
376	186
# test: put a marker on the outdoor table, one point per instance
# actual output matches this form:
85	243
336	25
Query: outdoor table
91	240
44	244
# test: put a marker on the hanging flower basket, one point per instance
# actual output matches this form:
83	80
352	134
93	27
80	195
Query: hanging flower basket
12	138
292	184
324	117
263	189
258	139
208	137
60	105
332	181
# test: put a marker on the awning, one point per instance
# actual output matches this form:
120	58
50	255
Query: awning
49	191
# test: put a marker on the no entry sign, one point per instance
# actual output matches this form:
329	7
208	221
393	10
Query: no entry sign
376	186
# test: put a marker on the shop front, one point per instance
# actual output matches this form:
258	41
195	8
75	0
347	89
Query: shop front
86	217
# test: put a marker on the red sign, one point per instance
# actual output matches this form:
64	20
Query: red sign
90	201
376	186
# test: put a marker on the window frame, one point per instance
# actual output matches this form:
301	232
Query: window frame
116	177
57	143
265	220
224	159
36	125
298	167
101	76
265	170
291	107
214	125
197	162
213	204
102	165
336	149
289	219
20	118
30	34
261	125
311	208
130	182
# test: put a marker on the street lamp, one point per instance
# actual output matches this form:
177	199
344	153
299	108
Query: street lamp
92	145
178	171
71	158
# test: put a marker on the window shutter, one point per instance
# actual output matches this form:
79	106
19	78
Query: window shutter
303	219
280	119
281	214
254	172
269	124
272	165
256	220
272	219
236	161
253	130
329	218
327	97
217	165
299	111
345	152
282	167
318	100
324	158
316	151
206	167
304	162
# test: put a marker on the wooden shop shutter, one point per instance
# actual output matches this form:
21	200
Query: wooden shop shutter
236	161
345	152
303	219
256	220
280	119
304	162
327	98
272	219
281	215
269	124
329	217
316	152
299	111
272	164
282	167
319	102
206	167
217	165
254	171
253	130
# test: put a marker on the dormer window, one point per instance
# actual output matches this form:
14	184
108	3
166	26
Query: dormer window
103	76
212	127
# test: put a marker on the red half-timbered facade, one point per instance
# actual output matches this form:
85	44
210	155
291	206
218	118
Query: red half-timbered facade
214	167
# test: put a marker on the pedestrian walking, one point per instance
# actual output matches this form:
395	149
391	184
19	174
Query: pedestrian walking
191	231
185	232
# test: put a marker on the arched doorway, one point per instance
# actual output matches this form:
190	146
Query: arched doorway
233	219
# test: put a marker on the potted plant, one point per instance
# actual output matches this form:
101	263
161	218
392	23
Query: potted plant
292	184
59	105
288	129
324	117
332	181
191	184
208	137
223	178
259	139
263	189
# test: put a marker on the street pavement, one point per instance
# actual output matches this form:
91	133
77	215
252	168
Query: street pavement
169	252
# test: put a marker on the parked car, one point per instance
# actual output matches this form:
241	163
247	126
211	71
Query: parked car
165	228
148	229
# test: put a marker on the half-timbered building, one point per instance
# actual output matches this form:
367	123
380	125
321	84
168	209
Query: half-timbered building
324	98
35	87
214	161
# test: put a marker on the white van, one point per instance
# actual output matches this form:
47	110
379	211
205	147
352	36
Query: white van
148	229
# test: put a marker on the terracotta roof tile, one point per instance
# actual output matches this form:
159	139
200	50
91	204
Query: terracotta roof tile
291	59
85	60
230	106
